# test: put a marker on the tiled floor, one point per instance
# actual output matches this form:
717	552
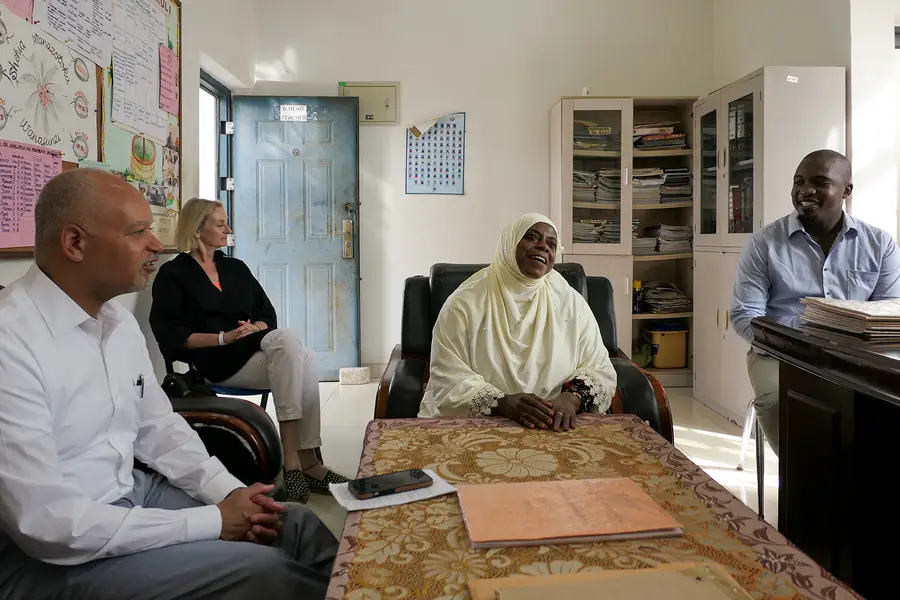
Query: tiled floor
711	441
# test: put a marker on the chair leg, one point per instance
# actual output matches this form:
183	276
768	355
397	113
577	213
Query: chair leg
265	399
760	469
749	420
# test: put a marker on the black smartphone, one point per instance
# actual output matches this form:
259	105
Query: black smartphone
390	483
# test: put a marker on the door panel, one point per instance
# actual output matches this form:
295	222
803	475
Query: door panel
708	164
707	333
296	192
736	391
742	177
618	270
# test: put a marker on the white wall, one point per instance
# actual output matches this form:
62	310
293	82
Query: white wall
505	63
749	35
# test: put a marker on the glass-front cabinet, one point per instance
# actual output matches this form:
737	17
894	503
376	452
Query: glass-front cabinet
706	168
727	203
594	212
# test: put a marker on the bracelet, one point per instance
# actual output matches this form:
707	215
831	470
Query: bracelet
221	338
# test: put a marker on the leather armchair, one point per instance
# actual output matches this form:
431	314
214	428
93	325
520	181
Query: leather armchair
403	382
236	431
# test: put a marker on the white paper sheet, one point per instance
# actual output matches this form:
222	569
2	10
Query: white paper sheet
138	30
343	496
83	25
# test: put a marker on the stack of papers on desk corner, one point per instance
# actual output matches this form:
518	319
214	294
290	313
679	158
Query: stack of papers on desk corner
875	321
351	503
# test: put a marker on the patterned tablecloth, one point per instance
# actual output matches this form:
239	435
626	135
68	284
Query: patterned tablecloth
422	550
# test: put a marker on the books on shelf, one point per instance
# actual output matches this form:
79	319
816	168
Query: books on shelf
671	239
560	512
876	321
662	297
668	141
600	231
653	185
681	581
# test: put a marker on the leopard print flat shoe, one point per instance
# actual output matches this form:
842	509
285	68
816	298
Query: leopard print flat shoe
297	486
320	486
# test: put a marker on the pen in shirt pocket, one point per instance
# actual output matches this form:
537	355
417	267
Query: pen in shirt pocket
139	383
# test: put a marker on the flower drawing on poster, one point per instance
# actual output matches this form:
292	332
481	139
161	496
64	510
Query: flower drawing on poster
47	92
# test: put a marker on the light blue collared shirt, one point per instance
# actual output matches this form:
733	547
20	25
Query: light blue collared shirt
782	264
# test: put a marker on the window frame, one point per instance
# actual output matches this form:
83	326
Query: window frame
225	147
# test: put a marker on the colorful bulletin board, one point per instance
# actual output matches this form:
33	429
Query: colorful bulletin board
135	99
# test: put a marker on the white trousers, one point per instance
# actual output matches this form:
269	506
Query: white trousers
291	371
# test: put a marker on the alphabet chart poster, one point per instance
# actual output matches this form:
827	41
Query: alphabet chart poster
436	156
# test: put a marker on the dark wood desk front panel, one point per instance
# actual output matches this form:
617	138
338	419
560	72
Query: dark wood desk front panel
839	438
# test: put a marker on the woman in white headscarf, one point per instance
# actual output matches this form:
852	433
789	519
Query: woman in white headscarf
516	340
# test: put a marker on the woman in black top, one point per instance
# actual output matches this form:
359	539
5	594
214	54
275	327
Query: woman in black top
210	311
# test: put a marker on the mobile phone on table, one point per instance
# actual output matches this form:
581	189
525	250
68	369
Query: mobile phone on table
390	483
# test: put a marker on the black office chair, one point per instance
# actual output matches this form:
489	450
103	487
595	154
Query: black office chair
403	382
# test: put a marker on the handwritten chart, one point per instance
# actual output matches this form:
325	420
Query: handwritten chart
24	170
48	93
138	30
83	25
168	80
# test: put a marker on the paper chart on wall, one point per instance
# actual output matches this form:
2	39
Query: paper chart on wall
83	25
48	92
436	156
139	27
24	170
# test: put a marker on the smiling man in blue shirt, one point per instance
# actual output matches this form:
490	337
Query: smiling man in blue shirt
818	250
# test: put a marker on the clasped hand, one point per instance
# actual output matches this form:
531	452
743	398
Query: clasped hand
249	515
243	329
533	412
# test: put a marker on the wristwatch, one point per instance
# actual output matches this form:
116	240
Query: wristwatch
221	338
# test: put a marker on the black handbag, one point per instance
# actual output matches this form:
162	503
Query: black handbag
183	385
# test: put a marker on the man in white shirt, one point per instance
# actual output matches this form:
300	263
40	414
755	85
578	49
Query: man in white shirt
80	403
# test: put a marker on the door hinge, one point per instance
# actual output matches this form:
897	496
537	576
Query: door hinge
228	184
227	128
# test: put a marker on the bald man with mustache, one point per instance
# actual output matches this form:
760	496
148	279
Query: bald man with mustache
81	403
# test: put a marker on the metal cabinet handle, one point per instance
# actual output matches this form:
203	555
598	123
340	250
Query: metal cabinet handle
347	230
717	318
726	320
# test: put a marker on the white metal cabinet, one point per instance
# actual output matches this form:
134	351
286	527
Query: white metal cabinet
618	270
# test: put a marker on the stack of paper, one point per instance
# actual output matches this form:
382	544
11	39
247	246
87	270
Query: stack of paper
643	246
673	239
677	186
877	321
583	185
608	186
662	297
542	513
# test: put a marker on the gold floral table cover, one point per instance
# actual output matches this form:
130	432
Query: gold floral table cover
422	550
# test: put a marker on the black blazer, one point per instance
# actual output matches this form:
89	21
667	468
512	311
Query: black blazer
185	302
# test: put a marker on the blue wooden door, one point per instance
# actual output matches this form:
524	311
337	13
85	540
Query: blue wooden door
295	216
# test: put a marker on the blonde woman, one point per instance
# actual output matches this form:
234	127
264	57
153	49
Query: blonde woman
516	341
209	310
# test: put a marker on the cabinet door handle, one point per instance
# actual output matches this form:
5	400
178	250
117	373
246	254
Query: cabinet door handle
717	318
726	320
627	285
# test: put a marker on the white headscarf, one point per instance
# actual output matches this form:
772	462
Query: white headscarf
502	332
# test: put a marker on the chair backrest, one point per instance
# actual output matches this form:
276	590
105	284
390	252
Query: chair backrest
424	297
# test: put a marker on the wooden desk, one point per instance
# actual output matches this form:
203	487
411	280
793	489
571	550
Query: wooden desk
422	550
839	413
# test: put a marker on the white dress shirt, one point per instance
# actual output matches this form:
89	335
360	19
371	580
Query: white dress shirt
79	403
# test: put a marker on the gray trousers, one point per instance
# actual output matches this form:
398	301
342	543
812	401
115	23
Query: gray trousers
763	371
297	566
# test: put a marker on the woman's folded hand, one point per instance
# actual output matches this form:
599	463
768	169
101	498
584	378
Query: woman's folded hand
528	409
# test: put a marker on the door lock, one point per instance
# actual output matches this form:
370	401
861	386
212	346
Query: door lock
347	229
